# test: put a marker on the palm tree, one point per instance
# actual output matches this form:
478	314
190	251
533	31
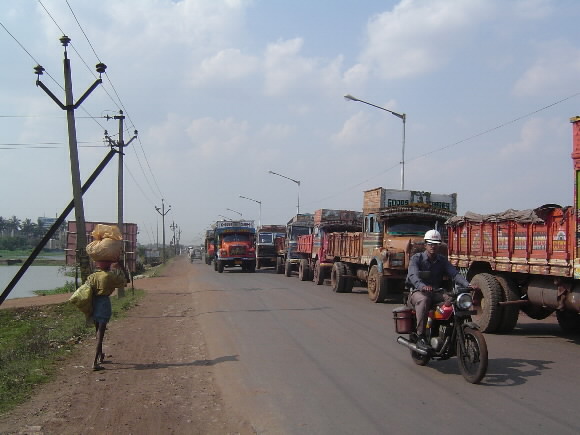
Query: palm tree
13	225
28	228
2	226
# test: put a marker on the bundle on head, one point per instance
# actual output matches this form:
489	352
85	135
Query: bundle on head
107	244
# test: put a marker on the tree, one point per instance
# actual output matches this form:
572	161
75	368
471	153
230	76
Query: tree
28	228
13	225
2	226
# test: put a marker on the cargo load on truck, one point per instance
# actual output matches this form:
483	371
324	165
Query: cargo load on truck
394	223
524	260
234	244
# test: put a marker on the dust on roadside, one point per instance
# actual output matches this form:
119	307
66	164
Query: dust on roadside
158	378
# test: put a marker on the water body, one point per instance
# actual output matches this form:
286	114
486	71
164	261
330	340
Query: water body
35	278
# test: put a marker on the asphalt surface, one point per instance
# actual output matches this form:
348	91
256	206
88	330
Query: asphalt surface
302	359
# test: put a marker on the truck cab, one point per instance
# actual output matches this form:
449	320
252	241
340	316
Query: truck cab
265	244
299	225
235	245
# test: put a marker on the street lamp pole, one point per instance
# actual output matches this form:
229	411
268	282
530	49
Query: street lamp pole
291	179
229	209
259	202
401	116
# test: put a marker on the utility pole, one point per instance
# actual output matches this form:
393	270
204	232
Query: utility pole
163	212
120	145
70	107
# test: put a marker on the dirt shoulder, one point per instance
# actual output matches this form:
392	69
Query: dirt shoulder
157	378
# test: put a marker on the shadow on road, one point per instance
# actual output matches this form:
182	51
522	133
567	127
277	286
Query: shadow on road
152	366
501	372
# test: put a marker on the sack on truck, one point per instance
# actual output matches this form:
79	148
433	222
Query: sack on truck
107	244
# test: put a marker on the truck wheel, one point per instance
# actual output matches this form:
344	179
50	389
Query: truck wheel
318	274
337	279
258	265
303	270
376	285
251	266
569	321
509	313
220	266
279	266
486	301
348	280
288	268
215	267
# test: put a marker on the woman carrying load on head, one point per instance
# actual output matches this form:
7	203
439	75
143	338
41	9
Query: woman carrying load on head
109	276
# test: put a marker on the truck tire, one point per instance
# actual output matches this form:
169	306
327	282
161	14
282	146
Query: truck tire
279	266
258	265
304	270
220	267
486	302
337	279
215	264
349	280
288	268
376	285
569	321
509	313
318	274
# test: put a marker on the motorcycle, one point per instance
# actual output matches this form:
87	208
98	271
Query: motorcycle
449	332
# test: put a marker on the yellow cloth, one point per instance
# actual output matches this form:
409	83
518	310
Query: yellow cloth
104	283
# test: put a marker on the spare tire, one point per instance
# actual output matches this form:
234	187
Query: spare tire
486	301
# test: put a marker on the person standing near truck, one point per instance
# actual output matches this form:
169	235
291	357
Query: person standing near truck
422	296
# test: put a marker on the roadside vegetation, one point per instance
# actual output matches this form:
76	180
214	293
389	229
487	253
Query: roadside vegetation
33	340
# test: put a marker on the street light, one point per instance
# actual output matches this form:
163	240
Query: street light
259	202
229	209
291	179
398	115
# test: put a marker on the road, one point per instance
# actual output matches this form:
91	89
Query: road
301	359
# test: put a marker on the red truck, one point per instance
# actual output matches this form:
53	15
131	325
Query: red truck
528	260
315	263
394	224
235	245
209	246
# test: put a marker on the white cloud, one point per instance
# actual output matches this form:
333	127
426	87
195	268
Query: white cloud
229	65
418	36
555	71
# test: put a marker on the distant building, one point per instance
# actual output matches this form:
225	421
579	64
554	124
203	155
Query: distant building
58	240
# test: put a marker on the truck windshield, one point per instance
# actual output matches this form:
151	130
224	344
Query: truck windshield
265	238
408	229
236	238
299	231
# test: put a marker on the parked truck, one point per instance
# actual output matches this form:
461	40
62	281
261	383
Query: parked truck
312	248
235	245
287	258
523	260
394	224
265	244
209	248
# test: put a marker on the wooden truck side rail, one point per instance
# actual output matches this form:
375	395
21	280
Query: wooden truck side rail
544	247
347	246
305	244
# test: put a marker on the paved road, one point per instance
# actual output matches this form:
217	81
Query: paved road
303	360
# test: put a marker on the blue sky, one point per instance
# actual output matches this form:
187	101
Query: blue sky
222	92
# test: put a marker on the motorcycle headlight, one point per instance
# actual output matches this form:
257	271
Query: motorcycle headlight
464	301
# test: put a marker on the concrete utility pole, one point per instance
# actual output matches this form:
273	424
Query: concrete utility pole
120	145
70	107
163	212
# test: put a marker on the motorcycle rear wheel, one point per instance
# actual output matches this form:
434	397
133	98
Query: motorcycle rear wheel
472	364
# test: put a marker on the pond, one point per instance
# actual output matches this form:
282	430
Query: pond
35	278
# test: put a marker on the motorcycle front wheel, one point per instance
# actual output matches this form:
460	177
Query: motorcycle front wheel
472	362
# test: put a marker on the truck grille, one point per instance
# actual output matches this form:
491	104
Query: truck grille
237	250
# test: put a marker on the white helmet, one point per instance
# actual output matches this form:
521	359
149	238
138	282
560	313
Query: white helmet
432	236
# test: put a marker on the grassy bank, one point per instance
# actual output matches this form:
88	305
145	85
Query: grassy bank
45	258
34	339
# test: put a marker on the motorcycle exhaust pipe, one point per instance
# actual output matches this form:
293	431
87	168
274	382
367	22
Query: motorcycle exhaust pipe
412	346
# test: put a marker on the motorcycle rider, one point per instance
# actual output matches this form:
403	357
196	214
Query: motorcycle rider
422	296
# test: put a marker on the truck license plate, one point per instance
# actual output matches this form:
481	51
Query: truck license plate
238	262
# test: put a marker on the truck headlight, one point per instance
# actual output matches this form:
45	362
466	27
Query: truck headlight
464	301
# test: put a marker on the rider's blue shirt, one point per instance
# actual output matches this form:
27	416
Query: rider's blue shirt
439	267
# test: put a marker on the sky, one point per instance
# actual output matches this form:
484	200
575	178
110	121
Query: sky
222	92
